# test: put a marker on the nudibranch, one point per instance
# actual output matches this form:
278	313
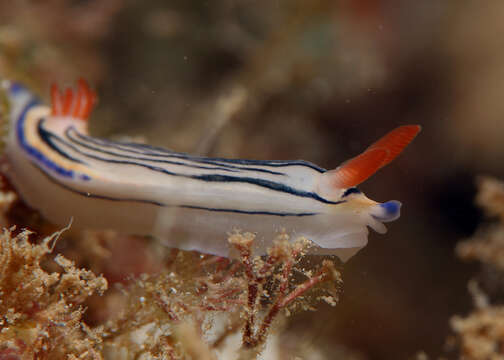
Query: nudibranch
190	202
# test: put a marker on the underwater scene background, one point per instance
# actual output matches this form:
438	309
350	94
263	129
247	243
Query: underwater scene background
313	80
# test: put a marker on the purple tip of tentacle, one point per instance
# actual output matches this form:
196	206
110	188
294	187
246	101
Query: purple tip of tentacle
387	211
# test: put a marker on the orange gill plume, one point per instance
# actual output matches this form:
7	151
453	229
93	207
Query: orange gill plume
76	104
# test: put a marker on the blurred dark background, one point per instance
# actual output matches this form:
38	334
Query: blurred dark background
316	80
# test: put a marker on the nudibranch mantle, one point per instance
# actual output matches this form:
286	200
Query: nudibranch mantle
189	202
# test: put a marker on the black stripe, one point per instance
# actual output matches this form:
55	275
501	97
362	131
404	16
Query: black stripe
82	144
108	198
272	185
265	183
246	211
117	146
47	137
134	148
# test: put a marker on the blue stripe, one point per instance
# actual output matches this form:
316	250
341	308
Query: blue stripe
36	154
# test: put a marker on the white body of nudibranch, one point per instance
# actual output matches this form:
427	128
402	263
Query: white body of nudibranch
189	202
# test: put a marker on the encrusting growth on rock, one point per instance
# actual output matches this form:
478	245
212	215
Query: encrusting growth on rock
480	334
184	304
42	315
246	294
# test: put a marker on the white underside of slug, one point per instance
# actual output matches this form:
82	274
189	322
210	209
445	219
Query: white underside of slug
191	203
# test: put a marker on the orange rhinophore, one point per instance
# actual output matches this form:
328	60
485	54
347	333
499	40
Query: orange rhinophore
395	141
358	169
